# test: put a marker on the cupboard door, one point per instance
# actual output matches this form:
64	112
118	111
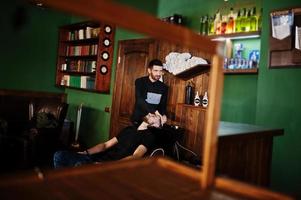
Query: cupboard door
133	58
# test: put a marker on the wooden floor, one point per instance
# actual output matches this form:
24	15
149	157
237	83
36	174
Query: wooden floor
139	179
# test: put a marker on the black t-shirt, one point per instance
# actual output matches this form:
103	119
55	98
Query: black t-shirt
150	96
128	141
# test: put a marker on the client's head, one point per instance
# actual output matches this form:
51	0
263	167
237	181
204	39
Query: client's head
153	120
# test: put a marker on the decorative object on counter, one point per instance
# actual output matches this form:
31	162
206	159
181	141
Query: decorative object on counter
205	100
189	91
174	19
197	99
176	62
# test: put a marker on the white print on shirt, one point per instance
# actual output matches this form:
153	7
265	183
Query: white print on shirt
153	98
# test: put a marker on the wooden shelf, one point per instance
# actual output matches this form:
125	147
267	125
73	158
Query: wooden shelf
79	56
193	71
91	57
192	106
83	41
83	89
236	36
241	71
79	73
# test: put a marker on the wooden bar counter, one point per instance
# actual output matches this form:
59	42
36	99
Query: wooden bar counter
245	152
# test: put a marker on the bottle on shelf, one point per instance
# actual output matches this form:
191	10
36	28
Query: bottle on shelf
201	24
230	24
197	99
217	23
237	22
204	25
189	91
205	100
259	21
248	21
253	20
211	26
224	24
243	20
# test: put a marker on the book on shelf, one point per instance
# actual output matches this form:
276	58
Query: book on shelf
81	34
83	82
65	80
90	82
88	32
75	81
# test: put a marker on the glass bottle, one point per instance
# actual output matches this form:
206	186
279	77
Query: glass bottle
237	22
243	20
230	24
205	25
248	21
259	22
201	25
253	20
210	26
224	24
217	23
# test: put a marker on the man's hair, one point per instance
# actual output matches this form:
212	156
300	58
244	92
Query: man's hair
155	62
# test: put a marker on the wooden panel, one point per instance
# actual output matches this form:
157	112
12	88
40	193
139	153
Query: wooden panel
133	58
192	119
245	159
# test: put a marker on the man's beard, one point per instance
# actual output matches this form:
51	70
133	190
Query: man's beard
156	77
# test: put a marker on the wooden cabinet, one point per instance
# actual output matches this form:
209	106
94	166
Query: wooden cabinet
85	55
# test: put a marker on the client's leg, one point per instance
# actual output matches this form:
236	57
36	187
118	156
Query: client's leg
70	159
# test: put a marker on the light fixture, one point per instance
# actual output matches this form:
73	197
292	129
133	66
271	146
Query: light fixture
221	38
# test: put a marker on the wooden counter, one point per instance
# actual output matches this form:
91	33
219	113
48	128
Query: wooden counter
245	152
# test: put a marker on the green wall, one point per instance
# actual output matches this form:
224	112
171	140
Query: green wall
28	61
28	52
271	98
279	104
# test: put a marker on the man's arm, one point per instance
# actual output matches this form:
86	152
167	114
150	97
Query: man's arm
138	153
100	147
163	102
140	97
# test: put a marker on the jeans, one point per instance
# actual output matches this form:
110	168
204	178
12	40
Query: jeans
70	159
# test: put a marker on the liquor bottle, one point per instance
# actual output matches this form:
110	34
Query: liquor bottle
217	23
237	22
230	24
248	21
243	20
210	26
197	99
259	22
205	26
201	25
253	20
205	100
224	24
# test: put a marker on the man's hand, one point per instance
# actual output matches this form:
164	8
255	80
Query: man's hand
162	117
